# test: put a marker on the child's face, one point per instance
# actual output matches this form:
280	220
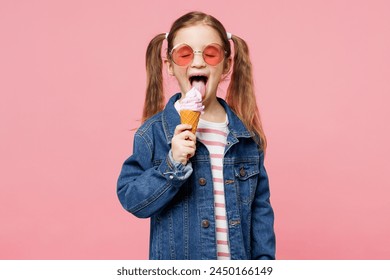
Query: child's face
197	37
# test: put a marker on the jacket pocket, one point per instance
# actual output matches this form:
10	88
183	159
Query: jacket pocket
246	179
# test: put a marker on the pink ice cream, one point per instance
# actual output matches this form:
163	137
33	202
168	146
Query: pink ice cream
193	99
191	106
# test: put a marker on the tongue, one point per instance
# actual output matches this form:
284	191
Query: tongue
199	85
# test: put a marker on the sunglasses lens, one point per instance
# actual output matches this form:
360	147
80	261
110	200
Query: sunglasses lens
183	55
213	54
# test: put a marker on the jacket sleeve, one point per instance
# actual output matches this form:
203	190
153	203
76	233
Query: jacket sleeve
263	235
144	189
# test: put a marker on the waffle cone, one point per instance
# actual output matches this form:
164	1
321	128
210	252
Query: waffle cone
191	118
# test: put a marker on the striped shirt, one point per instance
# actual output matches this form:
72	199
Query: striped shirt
213	136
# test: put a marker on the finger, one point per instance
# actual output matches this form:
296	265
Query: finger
182	127
185	153
190	144
188	135
187	143
190	153
190	150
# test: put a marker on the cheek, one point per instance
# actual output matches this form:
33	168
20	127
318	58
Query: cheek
182	80
179	71
218	74
181	76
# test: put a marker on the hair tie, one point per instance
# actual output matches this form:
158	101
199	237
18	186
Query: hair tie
166	35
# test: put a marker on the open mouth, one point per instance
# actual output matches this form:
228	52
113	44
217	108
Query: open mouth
197	79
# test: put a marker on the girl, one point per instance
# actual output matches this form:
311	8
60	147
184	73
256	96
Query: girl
207	194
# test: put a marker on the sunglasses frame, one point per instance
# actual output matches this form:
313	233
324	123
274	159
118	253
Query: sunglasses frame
197	52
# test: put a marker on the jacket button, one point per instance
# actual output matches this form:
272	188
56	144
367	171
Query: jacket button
242	172
234	222
202	181
205	223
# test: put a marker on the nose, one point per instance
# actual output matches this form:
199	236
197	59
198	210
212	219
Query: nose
198	60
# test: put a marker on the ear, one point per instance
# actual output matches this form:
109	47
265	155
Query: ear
169	65
227	65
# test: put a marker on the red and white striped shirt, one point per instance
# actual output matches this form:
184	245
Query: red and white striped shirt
213	136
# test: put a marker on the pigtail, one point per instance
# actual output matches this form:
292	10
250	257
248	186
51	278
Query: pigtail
154	98
241	94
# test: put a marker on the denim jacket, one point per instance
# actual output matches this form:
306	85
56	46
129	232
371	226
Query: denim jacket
179	199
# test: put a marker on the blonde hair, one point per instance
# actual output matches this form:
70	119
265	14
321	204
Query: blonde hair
240	93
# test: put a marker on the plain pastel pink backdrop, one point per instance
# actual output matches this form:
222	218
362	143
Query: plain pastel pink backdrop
72	84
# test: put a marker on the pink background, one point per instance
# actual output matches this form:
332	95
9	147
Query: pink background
72	85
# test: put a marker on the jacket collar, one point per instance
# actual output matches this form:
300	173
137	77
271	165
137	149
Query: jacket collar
171	118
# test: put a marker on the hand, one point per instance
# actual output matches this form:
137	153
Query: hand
183	143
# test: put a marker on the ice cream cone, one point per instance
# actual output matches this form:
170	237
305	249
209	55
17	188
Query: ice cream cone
191	118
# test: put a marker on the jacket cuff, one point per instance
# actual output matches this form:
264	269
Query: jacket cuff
177	170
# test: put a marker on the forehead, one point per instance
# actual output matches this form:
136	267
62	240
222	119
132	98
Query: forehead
197	36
